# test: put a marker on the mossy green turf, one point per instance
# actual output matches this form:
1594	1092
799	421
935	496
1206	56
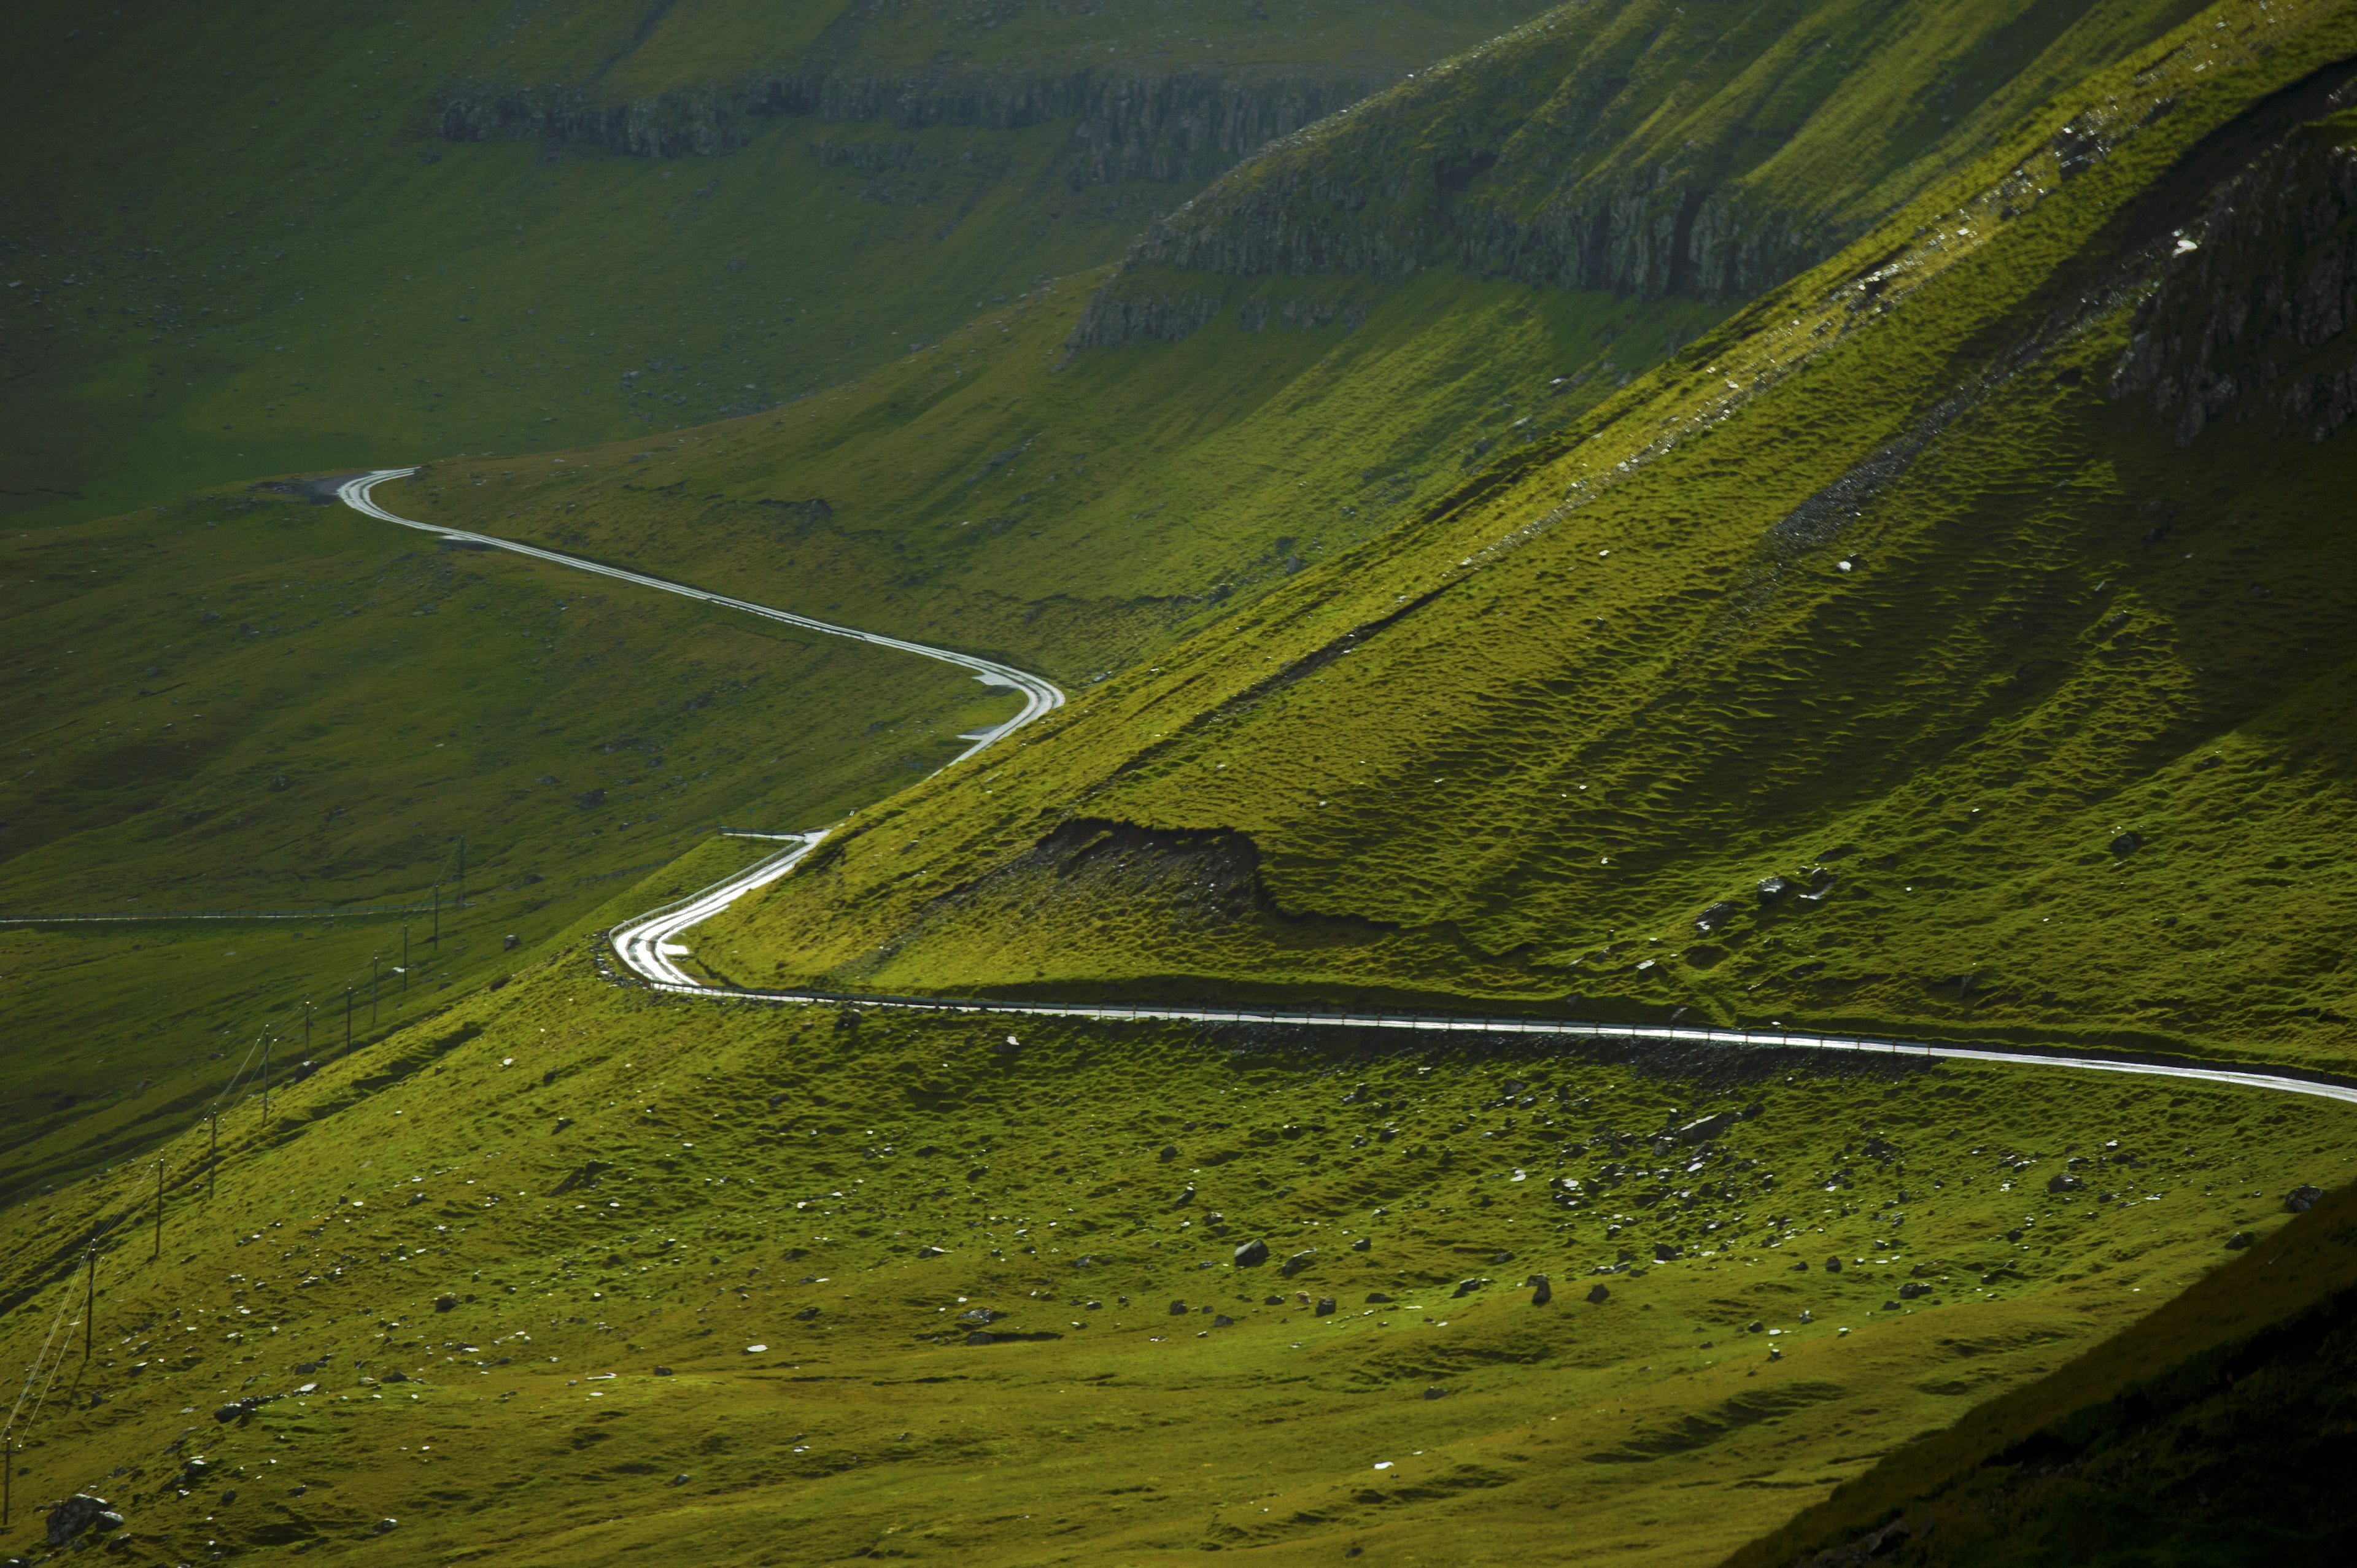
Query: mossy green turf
599	1181
1514	748
249	702
242	246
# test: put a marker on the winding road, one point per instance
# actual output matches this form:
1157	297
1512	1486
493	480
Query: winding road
649	945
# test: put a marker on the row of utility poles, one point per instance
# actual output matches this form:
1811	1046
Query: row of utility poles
212	1152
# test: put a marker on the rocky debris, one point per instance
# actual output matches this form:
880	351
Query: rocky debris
1186	1195
980	1314
444	1302
1717	915
932	1252
1251	1254
395	1376
1299	1261
1437	1390
1466	1288
1913	1289
1377	1298
1179	1309
510	942
1596	1292
1012	1336
1325	1307
806	1315
385	1526
1667	1252
2302	1199
1222	1320
1771	889
2239	1240
1363	1244
79	1514
2062	1181
1169	1151
1357	1095
1707	1127
1542	1292
1833	1265
2127	843
663	1372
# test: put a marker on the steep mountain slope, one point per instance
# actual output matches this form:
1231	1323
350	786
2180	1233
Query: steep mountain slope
1869	663
1079	482
268	237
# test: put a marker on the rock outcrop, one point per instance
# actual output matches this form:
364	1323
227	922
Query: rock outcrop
2255	318
1126	126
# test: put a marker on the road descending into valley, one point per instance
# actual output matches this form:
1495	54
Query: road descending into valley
649	947
1040	696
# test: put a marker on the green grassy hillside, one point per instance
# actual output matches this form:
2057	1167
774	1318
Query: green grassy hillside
264	238
1918	586
566	1272
1946	640
251	702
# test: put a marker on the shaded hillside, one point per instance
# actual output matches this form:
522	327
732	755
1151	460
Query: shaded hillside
2216	1431
1651	148
263	237
252	701
1079	483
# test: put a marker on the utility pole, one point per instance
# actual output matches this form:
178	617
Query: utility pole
90	1300
306	1030
265	1075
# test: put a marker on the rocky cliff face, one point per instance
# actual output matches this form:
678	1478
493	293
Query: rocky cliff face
1650	148
2255	318
1649	233
1125	125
